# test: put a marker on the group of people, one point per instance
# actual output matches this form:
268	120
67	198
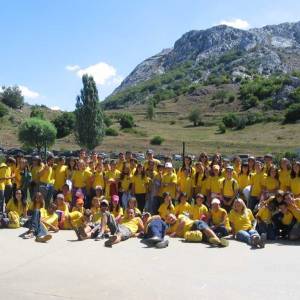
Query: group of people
204	200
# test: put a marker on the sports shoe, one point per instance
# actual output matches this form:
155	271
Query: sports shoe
43	238
223	242
255	239
110	241
153	240
28	235
262	240
162	244
78	234
100	237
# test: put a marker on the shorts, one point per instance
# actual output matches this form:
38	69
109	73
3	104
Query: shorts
124	232
199	225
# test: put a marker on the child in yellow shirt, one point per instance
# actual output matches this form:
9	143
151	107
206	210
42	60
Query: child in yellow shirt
284	221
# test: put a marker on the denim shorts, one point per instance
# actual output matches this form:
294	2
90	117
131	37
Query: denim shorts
199	225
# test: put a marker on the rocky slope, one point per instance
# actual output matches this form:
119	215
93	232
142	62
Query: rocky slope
265	50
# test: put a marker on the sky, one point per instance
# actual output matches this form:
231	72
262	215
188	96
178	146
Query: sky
46	45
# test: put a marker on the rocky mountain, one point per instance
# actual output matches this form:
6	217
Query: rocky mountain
264	51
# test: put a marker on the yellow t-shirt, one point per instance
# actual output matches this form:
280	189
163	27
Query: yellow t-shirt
257	181
74	219
64	208
80	178
125	182
47	176
3	170
99	179
217	217
169	178
205	186
17	208
120	165
241	221
146	164
51	219
214	184
119	213
182	208
188	223
265	214
271	184
284	179
60	177
186	184
294	211
229	187
136	212
287	218
35	172
243	181
164	210
112	174
197	211
295	186
80	209
7	175
132	225
140	184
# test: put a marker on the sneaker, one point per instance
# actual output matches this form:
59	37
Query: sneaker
43	238
78	234
28	235
223	242
100	237
110	241
262	240
255	239
153	240
162	244
214	241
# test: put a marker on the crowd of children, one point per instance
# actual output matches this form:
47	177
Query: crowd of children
253	200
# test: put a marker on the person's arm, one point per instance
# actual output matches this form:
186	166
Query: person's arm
51	227
141	228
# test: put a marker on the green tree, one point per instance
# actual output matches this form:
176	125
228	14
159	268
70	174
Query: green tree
195	117
126	121
12	97
64	124
150	111
37	133
3	110
157	140
292	114
89	123
36	112
107	120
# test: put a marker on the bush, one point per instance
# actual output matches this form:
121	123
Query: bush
12	97
231	98
195	117
230	120
157	140
36	112
241	123
222	128
126	121
172	122
292	114
64	124
107	120
3	110
111	132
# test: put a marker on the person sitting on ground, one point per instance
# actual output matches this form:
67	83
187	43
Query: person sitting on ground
115	208
181	225
199	211
218	219
154	231
129	227
79	206
38	226
183	207
132	203
167	206
242	224
264	223
294	208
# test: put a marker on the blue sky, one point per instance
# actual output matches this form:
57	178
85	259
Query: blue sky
47	44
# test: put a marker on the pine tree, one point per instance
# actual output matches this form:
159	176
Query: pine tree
89	121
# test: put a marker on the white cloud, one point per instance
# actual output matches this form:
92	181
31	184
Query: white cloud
72	68
236	23
55	108
101	72
27	93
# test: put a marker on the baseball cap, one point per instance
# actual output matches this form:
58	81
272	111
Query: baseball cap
229	168
105	202
115	198
168	165
215	201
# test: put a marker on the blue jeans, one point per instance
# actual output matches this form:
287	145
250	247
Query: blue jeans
124	199
2	198
245	235
36	225
199	225
220	231
47	191
269	229
156	228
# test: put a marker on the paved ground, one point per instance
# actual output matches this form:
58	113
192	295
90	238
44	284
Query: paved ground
67	269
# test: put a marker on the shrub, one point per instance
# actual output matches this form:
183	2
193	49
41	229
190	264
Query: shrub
107	120
292	114
126	121
3	110
241	123
64	124
157	140
230	120
36	112
111	132
231	98
195	117
222	128
172	122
